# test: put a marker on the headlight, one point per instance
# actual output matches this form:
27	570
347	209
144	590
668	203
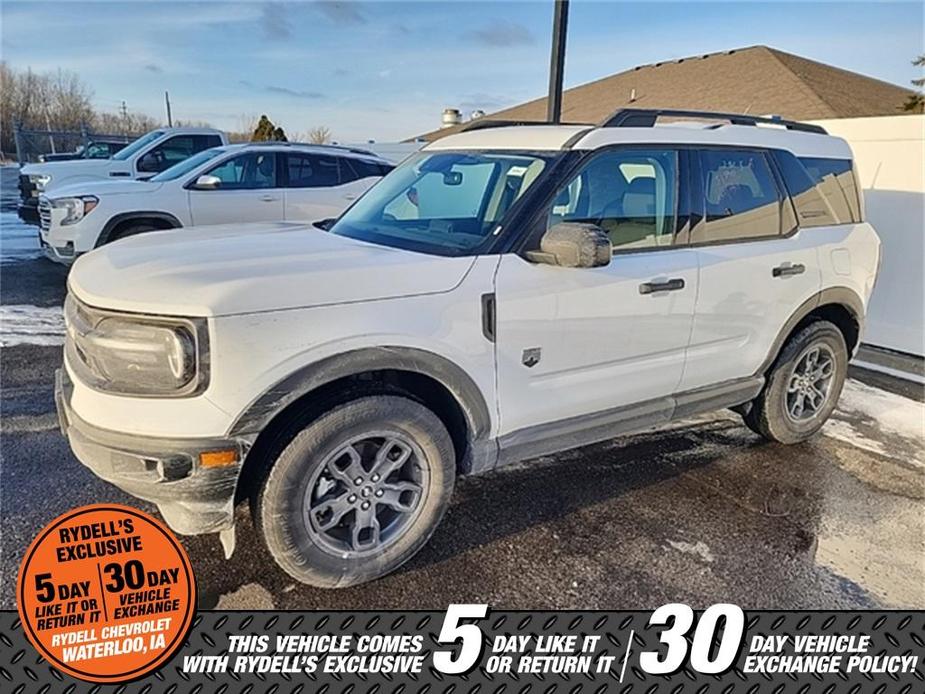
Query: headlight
39	181
136	354
75	209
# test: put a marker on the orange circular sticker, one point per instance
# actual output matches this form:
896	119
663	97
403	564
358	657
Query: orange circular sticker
106	593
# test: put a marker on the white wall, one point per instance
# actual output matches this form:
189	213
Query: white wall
890	156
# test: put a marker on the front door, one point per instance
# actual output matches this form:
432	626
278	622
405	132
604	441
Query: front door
248	192
579	341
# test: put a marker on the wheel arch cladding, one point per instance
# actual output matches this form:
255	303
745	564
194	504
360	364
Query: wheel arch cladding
162	220
305	394
838	305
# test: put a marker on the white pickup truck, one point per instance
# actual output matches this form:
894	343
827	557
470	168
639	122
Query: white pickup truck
148	155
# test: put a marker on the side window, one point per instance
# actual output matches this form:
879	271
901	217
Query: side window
742	197
201	142
811	207
836	182
313	171
251	171
166	154
363	169
631	194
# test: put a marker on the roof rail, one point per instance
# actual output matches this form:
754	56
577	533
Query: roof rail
484	124
647	117
287	143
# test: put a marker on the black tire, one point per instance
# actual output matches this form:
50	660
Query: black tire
131	230
770	414
311	555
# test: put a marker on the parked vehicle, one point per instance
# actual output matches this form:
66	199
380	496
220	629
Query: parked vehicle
258	182
507	292
98	148
148	155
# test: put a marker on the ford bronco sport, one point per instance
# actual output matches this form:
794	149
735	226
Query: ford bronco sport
505	293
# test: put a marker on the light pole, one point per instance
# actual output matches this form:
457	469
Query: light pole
557	61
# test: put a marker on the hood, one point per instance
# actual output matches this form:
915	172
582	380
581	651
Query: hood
104	188
60	169
234	269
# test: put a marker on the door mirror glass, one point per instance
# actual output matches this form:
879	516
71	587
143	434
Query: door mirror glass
573	244
149	163
207	182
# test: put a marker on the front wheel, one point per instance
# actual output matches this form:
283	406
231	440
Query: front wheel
357	492
802	387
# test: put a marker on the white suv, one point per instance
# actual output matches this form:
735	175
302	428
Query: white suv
149	154
258	182
505	293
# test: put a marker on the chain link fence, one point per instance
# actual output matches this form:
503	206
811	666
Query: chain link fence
32	144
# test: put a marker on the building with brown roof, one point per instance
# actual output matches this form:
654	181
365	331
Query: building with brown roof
756	80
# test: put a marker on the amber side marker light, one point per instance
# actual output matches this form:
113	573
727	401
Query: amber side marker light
218	458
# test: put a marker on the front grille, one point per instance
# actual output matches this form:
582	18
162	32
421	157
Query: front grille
44	214
26	187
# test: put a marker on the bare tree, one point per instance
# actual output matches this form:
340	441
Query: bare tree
320	135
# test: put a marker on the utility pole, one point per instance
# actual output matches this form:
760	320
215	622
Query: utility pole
557	61
124	111
167	101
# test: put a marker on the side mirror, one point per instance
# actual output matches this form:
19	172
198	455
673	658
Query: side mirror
148	163
324	224
207	182
573	244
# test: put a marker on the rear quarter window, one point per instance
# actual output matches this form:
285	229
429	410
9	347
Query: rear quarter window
812	208
836	182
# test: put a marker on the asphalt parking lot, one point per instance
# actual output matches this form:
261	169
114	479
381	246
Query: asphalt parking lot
702	512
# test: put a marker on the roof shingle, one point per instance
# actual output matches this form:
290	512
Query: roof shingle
757	80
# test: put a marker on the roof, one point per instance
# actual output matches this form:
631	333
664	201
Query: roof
307	147
754	80
522	138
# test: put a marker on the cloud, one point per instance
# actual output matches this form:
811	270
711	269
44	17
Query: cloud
501	34
274	21
285	91
156	69
341	12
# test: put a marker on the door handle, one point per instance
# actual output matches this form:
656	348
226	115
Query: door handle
671	285
350	196
268	198
787	269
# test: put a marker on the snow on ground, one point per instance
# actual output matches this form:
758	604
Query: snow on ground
868	418
31	325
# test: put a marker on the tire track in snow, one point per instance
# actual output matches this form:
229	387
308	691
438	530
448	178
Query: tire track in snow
31	325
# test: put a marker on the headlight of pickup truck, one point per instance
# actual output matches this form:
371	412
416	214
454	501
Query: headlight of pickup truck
134	354
39	181
75	209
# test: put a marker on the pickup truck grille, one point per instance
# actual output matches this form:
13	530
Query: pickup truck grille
44	214
26	188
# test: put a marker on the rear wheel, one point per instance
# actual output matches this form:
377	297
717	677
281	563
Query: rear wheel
357	492
802	387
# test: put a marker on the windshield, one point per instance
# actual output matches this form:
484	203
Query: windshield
138	144
441	202
184	167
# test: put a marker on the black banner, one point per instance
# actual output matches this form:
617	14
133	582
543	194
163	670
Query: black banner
672	649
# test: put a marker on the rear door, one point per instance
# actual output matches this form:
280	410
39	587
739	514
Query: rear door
578	341
249	191
320	186
756	266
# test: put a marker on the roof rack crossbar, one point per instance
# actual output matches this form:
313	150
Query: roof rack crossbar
646	118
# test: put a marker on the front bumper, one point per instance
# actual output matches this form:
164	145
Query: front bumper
167	472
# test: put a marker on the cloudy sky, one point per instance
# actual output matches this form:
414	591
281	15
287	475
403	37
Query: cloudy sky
386	70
